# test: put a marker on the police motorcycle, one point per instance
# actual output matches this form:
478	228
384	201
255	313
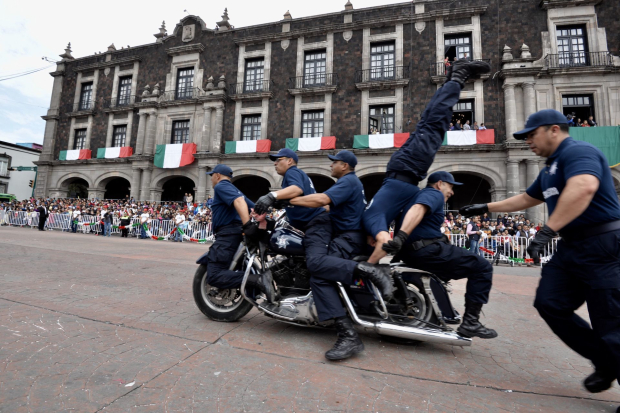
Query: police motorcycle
418	312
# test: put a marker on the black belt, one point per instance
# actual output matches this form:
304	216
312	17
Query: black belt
418	245
580	233
403	177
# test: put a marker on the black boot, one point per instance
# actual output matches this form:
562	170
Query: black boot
599	381
379	275
464	69
348	343
471	327
264	283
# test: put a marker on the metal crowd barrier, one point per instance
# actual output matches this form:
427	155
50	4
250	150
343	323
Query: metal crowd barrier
505	248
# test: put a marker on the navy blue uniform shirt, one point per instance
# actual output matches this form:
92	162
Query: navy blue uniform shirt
300	216
430	226
223	210
348	203
570	159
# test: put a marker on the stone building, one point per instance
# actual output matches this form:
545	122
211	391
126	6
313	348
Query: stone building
340	74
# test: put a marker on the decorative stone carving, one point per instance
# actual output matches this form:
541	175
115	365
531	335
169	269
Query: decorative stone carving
347	35
507	54
188	32
348	6
147	91
287	16
525	52
222	82
420	26
224	24
111	48
285	44
67	54
210	85
156	90
106	71
162	32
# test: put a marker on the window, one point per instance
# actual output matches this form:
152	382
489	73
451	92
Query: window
572	46
80	139
4	167
457	47
381	119
254	75
463	111
314	68
250	127
119	136
124	91
86	96
312	124
180	131
382	61
4	188
185	83
580	106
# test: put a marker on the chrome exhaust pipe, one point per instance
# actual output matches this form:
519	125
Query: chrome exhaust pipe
429	335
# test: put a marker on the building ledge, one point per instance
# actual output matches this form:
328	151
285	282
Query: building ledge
57	73
309	91
100	65
579	70
120	109
81	113
551	4
440	80
252	96
213	95
382	84
186	49
50	117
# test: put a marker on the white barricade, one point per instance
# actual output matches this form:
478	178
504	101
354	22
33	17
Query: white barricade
505	248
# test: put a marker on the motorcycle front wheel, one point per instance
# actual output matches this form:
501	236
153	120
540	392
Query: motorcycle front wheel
218	305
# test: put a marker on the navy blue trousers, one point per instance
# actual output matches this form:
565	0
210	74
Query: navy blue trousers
587	270
449	262
219	258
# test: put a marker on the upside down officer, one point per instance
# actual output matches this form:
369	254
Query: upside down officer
577	186
420	244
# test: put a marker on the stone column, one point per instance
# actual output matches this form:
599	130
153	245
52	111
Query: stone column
511	111
202	184
534	214
206	132
145	191
219	124
529	99
135	183
512	178
151	129
141	133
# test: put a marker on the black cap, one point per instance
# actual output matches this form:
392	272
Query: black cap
285	153
442	176
541	118
345	156
222	169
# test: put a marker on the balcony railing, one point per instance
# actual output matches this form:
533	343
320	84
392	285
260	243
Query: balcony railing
579	59
313	81
181	94
440	68
251	87
119	102
379	74
82	105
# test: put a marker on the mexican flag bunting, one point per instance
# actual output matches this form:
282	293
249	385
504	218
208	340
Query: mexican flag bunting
469	137
174	155
393	140
75	154
311	144
261	146
116	152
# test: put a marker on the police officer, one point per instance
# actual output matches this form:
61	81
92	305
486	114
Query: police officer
230	209
577	186
410	163
346	202
420	244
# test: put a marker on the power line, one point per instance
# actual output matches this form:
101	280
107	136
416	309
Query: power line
13	76
29	104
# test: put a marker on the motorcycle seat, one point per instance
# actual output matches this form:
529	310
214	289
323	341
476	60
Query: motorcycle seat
361	258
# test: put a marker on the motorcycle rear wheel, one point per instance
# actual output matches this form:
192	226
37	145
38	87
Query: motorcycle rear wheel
218	305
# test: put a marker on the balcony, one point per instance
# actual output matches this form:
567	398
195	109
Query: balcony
251	90
81	108
438	71
180	96
587	60
314	85
387	77
119	104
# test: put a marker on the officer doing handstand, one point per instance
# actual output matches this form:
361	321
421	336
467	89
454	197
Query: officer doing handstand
411	162
420	244
577	186
345	240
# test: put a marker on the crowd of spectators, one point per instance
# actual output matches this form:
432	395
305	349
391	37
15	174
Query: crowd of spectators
575	122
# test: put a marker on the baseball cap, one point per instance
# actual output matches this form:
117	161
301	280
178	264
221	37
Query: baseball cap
541	118
285	153
442	176
222	169
344	156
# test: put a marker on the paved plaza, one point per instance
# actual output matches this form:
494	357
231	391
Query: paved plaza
91	324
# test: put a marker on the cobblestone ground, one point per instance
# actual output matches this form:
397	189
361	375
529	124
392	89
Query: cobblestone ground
92	324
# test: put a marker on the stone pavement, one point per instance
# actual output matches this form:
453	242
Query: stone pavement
92	324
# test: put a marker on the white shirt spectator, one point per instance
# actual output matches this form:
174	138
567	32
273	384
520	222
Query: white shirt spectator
179	219
76	214
466	127
532	232
144	218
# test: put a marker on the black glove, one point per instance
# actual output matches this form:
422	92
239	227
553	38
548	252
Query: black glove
539	242
472	210
250	229
263	203
282	203
392	247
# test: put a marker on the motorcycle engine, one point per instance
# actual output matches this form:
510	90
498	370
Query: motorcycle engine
290	272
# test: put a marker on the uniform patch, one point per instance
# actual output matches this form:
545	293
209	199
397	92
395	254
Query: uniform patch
553	169
551	192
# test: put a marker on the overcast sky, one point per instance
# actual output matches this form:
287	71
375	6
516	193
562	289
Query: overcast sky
33	29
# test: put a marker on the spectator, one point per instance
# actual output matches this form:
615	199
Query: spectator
451	126
179	219
482	127
458	126
124	222
578	123
476	127
75	217
591	121
144	219
473	232
107	223
190	200
466	126
585	124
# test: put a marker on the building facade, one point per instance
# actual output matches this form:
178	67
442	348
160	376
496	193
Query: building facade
18	183
341	74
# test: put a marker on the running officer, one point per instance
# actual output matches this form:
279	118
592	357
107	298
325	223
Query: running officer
230	209
420	244
411	162
346	240
577	186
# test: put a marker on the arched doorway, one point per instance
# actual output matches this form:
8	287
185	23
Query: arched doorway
252	187
475	190
117	188
372	183
321	182
176	187
76	188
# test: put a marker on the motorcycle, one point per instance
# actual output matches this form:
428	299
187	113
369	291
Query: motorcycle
419	310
